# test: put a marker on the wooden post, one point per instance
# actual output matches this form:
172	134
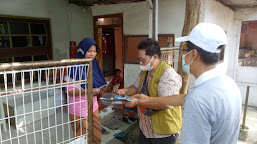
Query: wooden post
90	104
192	18
245	108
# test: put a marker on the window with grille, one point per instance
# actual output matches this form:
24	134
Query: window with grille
24	39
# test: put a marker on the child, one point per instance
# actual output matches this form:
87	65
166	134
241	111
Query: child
116	80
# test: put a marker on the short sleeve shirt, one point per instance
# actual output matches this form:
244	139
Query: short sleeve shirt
169	84
212	111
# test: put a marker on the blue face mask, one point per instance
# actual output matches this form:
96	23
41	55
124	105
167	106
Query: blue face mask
186	67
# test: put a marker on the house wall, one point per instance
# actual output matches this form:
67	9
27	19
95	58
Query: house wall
68	21
245	76
217	13
171	20
136	22
230	21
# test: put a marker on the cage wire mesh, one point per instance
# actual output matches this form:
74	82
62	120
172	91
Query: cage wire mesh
34	104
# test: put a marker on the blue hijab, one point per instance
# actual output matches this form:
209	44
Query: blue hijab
98	77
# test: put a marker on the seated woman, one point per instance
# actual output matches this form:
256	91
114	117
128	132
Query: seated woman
116	80
77	94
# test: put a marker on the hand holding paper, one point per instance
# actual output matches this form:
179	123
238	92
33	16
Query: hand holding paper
116	98
130	104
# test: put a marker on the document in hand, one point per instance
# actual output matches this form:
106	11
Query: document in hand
116	98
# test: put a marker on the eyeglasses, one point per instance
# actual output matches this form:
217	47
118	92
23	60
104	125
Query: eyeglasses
140	60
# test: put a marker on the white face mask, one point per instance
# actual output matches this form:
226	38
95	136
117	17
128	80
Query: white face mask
147	67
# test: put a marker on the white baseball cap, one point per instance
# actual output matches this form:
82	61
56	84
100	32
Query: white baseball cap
207	36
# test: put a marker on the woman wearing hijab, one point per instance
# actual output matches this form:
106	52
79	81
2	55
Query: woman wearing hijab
78	104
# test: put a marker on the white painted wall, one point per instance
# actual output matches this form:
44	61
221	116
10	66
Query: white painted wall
233	53
32	8
131	73
136	16
57	11
81	22
68	22
136	22
244	75
217	13
230	21
252	99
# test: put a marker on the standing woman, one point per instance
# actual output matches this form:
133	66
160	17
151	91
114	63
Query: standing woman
78	104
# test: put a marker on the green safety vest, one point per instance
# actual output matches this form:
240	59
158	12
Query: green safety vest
166	121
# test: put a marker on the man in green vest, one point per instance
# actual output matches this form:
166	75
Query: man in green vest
160	124
212	109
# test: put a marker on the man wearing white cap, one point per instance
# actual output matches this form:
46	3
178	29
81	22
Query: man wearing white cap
212	109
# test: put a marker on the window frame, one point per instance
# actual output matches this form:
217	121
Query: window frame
32	51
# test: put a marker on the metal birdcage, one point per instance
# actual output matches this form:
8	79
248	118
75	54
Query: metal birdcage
32	101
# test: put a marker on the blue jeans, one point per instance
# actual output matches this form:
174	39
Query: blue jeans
167	140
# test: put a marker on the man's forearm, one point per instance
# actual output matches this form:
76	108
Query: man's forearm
153	103
174	100
163	102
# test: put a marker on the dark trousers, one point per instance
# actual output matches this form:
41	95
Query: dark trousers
167	140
